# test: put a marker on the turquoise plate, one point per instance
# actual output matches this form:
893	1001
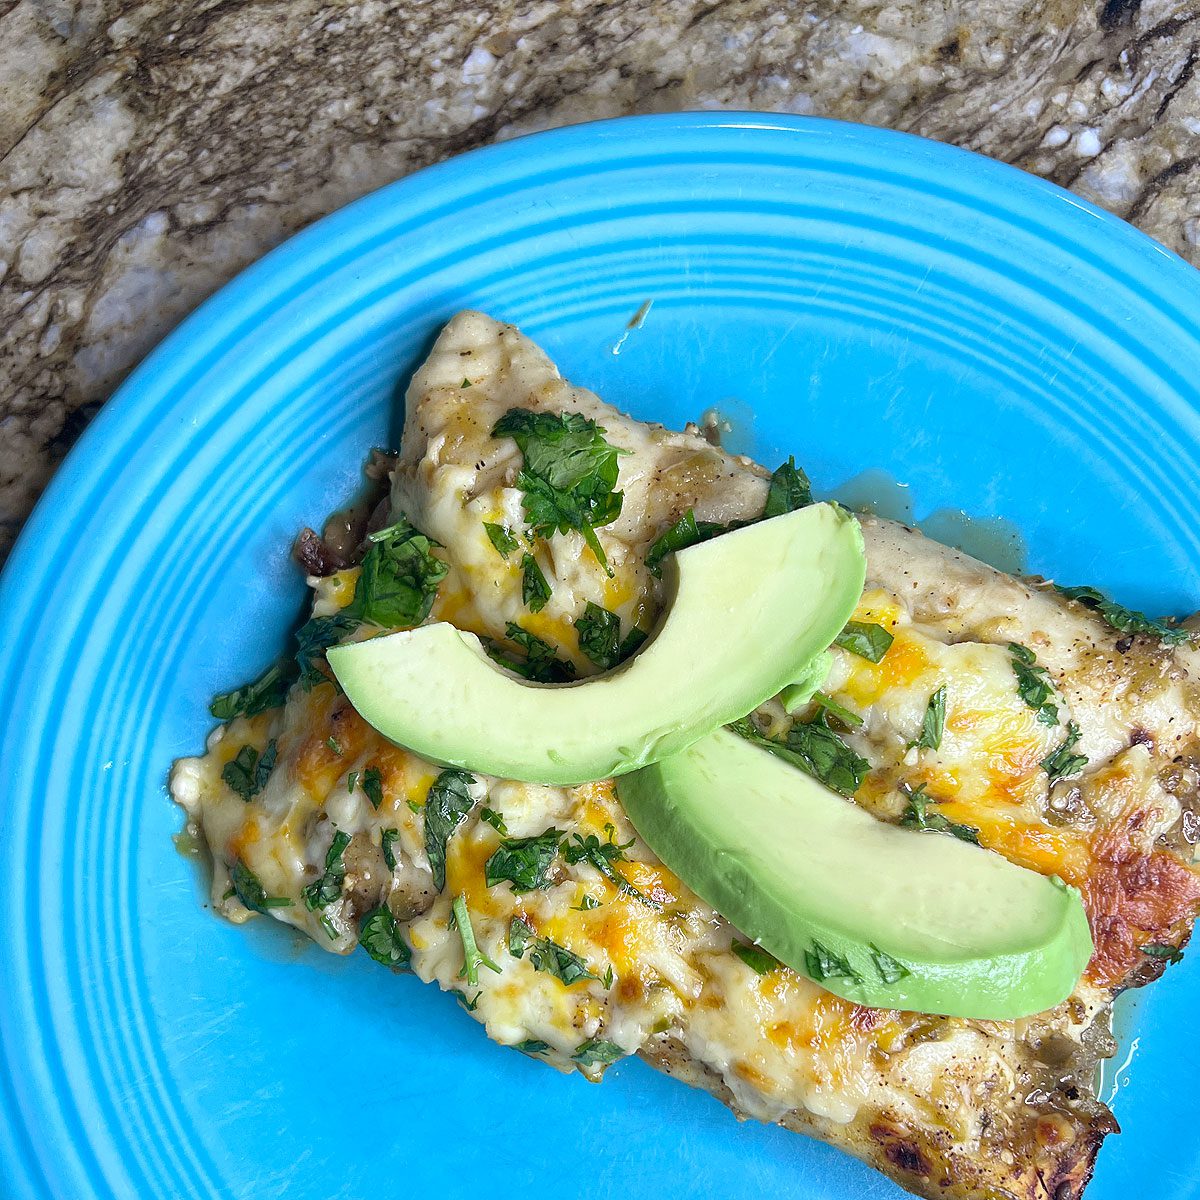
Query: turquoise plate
860	298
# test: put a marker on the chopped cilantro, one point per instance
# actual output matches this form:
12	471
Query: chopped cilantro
520	934
351	780
687	531
918	816
568	475
596	1052
334	745
466	383
327	889
890	970
834	709
387	842
634	640
399	578
313	638
602	855
372	786
495	820
1171	954
473	957
523	862
469	1003
269	690
1033	683
247	888
933	724
535	590
446	807
821	963
600	635
609	976
533	1046
756	958
1127	620
789	490
866	639
586	904
1061	762
540	663
379	936
247	773
815	749
545	955
331	930
502	540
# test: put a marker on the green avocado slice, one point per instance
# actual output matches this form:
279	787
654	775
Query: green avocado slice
746	613
884	916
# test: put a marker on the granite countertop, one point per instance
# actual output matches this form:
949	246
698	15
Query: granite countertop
150	150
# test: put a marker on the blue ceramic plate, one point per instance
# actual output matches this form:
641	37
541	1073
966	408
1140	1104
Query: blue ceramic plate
860	298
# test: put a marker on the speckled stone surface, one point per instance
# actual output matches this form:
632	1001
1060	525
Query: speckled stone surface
148	151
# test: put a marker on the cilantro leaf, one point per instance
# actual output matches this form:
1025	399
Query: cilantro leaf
314	637
269	690
789	490
756	958
545	955
520	934
535	590
495	820
634	640
502	540
446	807
399	578
247	773
834	709
1061	762
600	635
821	963
1126	620
379	936
540	663
890	970
867	640
815	749
587	904
1171	954
596	1052
933	724
371	783
387	842
917	816
327	889
473	957
532	1046
523	862
247	888
568	475
602	855
687	531
1033	683
469	1003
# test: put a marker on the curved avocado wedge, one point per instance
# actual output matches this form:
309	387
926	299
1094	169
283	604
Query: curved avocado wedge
884	916
746	613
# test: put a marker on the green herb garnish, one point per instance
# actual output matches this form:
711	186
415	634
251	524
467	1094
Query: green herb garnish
540	664
933	724
1171	954
246	887
269	690
834	709
469	1003
815	749
327	889
495	820
502	540
568	475
687	531
545	955
387	842
446	807
535	591
379	936
918	816
247	773
587	904
523	862
399	578
602	855
372	786
600	635
473	957
532	1046
890	970
821	963
313	638
1061	762
1033	683
756	958
634	640
596	1052
789	490
867	640
1126	620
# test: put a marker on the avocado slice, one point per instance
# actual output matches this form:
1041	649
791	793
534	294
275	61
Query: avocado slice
746	614
884	916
